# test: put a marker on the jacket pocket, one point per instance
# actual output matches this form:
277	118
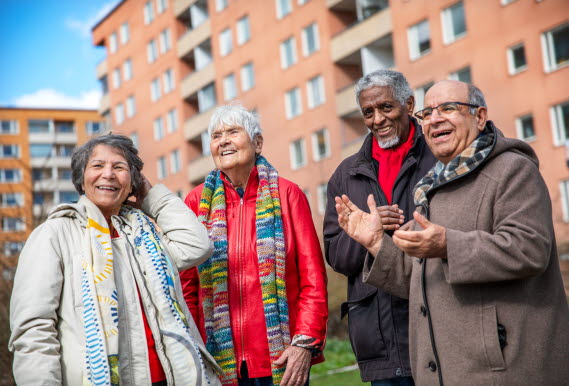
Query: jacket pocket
492	342
363	325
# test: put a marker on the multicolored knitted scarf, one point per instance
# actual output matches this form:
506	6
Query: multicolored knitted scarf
271	256
460	165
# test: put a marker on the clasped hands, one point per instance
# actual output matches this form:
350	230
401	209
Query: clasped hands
368	228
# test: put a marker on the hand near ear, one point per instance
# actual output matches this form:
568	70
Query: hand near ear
141	194
427	243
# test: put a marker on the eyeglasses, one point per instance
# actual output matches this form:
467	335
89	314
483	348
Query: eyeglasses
444	109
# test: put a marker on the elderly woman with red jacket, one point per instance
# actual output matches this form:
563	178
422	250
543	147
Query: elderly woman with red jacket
260	301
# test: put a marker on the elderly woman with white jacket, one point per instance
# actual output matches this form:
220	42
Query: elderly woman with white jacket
97	297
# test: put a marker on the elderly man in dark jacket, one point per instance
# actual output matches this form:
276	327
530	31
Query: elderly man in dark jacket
393	158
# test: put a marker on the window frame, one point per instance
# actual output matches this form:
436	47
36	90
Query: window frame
548	49
148	11
15	151
304	36
13	127
449	35
158	128
280	11
520	130
124	33
151	51
288	105
161	168
322	197
312	103
560	133
293	152
113	43
243	29
316	156
17	172
225	42
285	63
413	42
247	74
512	70
119	114
175	161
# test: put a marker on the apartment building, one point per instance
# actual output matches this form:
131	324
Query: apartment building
35	170
295	62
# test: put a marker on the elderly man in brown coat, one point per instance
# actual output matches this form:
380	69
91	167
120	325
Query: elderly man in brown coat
479	262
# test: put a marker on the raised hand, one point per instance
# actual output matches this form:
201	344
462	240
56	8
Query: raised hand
427	243
391	217
142	192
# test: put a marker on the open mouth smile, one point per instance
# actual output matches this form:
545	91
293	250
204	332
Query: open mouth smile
108	188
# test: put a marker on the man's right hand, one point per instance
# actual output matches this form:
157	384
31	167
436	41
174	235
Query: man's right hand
391	217
365	228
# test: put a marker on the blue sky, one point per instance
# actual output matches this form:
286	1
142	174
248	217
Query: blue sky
47	58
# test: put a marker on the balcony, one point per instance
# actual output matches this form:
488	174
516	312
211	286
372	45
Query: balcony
352	147
51	185
196	81
181	6
196	125
199	168
362	34
346	104
105	104
47	162
341	5
102	69
53	137
192	38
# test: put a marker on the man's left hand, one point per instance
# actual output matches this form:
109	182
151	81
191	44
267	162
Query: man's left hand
297	361
430	242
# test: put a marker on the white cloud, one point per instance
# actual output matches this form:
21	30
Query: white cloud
84	26
50	98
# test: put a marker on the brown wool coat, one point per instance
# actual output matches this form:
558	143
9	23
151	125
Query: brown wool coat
502	268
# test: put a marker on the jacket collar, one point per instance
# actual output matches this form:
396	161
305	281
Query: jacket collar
250	190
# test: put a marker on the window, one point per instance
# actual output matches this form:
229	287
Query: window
116	78
225	42
301	2
315	91
506	2
9	151
148	12
555	44
321	193
41	174
297	154
229	87
168	79
525	128
564	188
93	127
516	59
155	89
119	114
64	127
247	77
130	106
161	6
68	196
39	126
310	40
172	121
220	5
9	127
124	33
113	44
134	138
243	30
284	7
151	51
175	161
206	98
462	75
158	128
161	168
13	248
13	224
419	39
560	119
288	52
320	145
420	95
127	69
206	141
165	41
11	200
10	175
63	150
104	84
293	104
65	174
41	150
454	23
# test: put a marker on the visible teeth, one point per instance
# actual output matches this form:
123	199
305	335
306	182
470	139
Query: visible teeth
228	152
384	129
107	188
441	134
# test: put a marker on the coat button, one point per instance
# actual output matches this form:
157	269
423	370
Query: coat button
423	310
398	372
419	260
432	366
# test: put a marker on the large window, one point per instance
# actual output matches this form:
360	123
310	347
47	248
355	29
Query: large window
68	196
220	5
284	7
247	77
64	150
9	151
525	128
454	22
168	79
10	175
320	145
155	90
127	69
165	41
172	121
315	91
13	224
94	127
310	40
116	78
113	43
225	42
420	95
161	168
119	114
41	150
297	154
11	200
288	52
151	51
37	126
229	87
321	193
243	30
293	104
64	174
130	106
148	12
555	43
13	248
463	75
419	39
161	6
158	129
516	59
175	165
564	188
560	119
124	33
9	127
206	98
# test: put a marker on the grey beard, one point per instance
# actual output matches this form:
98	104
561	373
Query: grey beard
389	143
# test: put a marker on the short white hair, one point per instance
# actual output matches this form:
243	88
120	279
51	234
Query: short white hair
235	114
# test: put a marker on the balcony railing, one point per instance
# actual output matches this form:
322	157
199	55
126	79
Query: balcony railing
346	101
105	104
196	125
197	80
193	38
199	168
181	6
102	69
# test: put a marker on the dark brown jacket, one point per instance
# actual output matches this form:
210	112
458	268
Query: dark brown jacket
494	312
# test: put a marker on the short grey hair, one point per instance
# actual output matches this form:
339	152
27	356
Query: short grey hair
235	114
122	144
385	78
475	97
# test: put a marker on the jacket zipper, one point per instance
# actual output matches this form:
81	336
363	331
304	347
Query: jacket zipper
240	262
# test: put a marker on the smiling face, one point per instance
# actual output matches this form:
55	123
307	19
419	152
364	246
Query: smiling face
386	118
447	136
234	153
107	180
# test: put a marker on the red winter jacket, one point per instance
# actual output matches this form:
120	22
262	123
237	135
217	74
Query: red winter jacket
305	274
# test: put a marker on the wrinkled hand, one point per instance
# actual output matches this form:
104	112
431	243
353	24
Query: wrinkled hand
427	243
297	361
365	228
391	217
142	193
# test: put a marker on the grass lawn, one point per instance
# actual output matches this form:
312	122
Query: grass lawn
338	354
